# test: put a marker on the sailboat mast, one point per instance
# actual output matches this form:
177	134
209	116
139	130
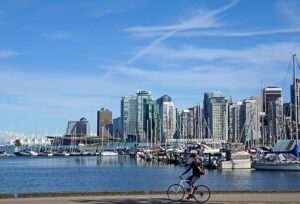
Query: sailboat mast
295	98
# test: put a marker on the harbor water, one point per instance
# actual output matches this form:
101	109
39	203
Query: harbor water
61	174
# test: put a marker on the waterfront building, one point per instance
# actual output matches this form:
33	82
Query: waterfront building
168	118
287	121
129	118
78	128
187	124
168	121
207	111
198	122
216	115
151	121
104	122
234	123
164	98
270	94
275	121
117	128
178	134
250	121
293	105
141	96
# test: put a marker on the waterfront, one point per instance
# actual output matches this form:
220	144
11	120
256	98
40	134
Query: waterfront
61	174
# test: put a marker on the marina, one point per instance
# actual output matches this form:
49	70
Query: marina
62	174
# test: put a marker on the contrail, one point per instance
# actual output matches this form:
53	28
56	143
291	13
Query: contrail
196	22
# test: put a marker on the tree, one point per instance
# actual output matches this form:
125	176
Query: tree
17	143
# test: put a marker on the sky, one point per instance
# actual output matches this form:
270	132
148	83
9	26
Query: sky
63	60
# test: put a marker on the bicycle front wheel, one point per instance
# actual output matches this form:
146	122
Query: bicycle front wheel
175	192
202	193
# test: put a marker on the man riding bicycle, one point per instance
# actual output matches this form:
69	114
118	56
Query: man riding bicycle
195	176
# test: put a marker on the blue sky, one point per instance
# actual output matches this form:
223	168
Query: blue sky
61	60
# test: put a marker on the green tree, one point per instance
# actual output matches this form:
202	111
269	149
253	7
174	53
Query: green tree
17	143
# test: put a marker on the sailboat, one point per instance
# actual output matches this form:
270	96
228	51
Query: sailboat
286	156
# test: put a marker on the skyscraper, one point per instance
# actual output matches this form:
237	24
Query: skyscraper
117	128
151	121
198	122
78	128
275	121
141	95
104	121
206	110
187	124
293	104
234	123
270	95
249	116
129	117
168	118
168	121
216	115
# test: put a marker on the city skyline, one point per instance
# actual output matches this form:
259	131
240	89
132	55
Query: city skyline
66	60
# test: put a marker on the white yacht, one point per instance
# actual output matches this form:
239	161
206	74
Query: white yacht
239	160
109	153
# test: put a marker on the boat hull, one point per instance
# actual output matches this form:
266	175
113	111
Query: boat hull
276	166
109	154
241	164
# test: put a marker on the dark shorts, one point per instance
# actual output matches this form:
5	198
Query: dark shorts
192	179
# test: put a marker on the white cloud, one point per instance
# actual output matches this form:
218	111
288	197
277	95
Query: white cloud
5	53
259	54
204	19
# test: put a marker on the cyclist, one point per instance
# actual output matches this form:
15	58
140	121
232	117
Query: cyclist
194	177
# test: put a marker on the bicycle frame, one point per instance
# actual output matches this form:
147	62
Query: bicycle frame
182	183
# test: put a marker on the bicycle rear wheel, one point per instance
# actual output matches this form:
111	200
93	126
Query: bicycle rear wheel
175	192
202	193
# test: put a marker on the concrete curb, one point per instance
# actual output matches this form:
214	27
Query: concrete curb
236	191
70	194
126	193
6	195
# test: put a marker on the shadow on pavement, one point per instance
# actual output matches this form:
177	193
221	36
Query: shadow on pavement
133	201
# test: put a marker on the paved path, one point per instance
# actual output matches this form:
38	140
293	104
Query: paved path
243	198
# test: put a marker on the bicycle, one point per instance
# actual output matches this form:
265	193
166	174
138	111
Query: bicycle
176	192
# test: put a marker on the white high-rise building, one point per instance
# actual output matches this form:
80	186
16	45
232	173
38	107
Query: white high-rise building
250	131
168	123
234	128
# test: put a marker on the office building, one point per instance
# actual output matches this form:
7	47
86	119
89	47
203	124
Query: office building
129	118
216	115
78	128
151	121
270	95
117	128
104	122
234	123
206	111
141	96
275	122
168	118
250	123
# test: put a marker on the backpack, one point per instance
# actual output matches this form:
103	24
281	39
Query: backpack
201	169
